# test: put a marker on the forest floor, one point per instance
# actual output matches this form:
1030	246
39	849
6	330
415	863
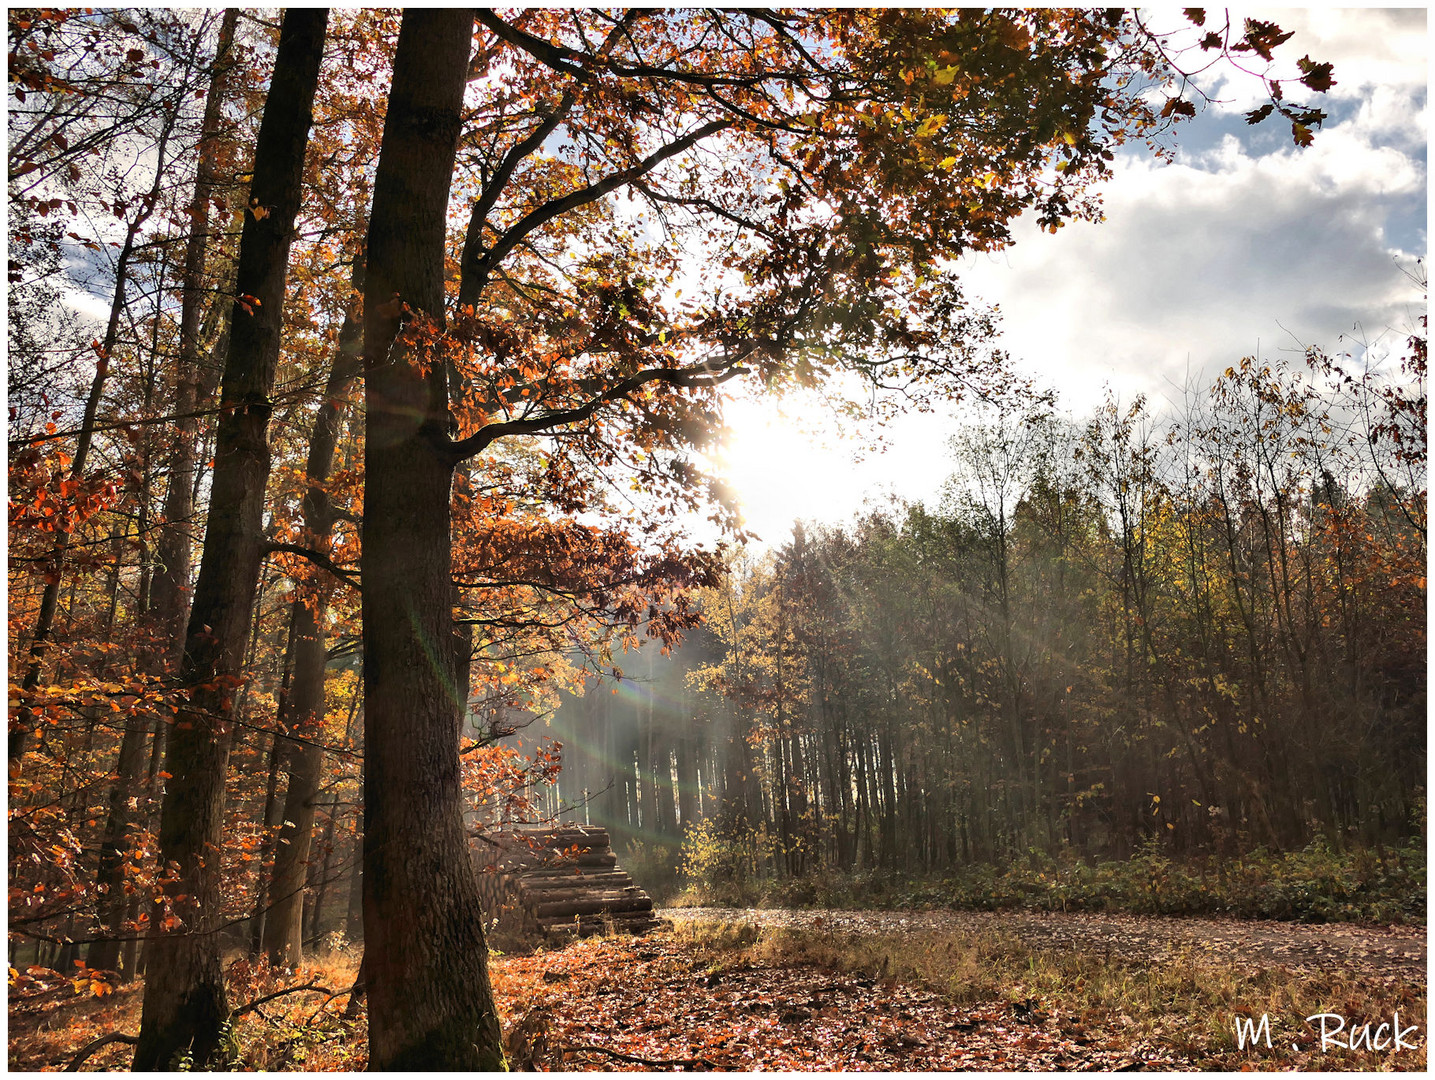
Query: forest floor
825	990
1333	947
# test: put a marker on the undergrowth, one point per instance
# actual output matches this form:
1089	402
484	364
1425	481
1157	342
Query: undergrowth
298	1030
1313	885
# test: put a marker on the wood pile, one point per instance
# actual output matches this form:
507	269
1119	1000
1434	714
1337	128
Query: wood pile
564	879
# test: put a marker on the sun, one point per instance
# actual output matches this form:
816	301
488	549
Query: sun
796	457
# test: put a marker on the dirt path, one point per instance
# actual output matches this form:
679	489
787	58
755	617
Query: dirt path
1328	947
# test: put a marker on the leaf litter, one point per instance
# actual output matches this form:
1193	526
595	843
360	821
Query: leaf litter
616	1004
663	1003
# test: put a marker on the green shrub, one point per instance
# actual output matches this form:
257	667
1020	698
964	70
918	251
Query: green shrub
1317	884
654	866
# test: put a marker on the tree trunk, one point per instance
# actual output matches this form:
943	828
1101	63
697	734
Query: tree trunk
354	918
184	1003
318	879
174	547
687	774
270	824
283	930
425	958
105	953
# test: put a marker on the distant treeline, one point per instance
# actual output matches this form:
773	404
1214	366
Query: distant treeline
1205	631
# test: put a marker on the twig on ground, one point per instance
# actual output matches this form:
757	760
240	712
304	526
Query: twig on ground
254	1005
325	1003
690	1063
99	1044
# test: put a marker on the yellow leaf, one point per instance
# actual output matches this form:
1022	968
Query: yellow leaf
931	125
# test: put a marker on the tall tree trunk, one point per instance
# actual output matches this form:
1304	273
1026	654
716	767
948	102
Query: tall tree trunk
105	953
687	772
317	884
646	797
354	918
430	1002
174	547
185	1004
283	930
270	822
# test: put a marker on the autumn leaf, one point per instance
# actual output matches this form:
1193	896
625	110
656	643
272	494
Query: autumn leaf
1316	76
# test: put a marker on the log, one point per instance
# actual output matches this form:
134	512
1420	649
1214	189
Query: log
635	922
594	907
567	868
527	862
567	879
560	896
569	836
604	879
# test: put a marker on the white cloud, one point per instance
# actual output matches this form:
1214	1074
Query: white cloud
1228	252
1201	262
1372	50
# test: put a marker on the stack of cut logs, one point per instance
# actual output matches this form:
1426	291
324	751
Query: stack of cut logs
565	880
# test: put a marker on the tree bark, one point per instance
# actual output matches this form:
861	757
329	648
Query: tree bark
426	962
283	928
174	547
185	1004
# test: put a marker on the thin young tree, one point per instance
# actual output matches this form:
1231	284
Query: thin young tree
185	1004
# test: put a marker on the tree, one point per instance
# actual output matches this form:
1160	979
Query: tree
174	544
426	964
174	548
819	161
104	351
184	1003
302	712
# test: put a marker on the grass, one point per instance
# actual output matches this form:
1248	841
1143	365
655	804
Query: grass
1182	1005
1185	1003
1313	885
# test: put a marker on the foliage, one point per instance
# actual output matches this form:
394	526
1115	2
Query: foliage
1192	634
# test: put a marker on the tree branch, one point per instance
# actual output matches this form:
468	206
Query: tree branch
548	211
581	65
557	57
687	1063
312	984
702	376
319	559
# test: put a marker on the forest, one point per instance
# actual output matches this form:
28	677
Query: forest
363	368
1141	630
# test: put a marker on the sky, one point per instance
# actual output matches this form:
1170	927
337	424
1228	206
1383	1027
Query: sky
1244	246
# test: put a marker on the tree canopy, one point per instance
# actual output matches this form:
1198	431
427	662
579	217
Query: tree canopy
542	241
